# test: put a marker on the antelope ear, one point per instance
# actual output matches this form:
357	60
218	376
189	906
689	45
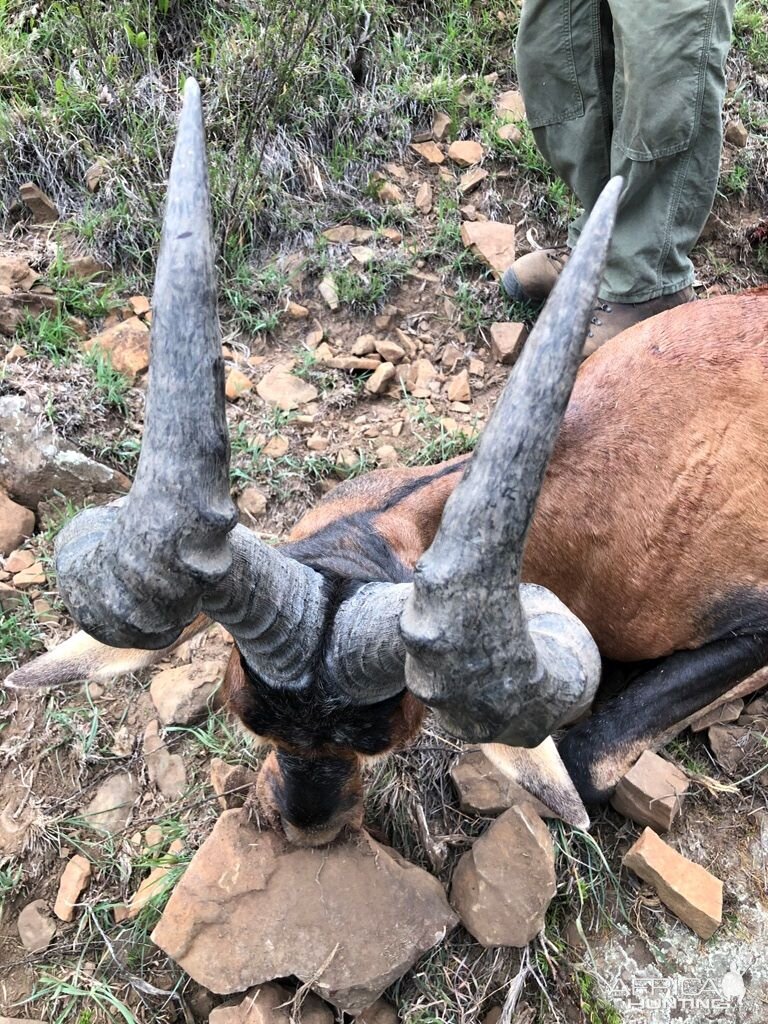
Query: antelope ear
82	658
541	772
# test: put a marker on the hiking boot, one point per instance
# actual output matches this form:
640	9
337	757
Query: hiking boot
611	318
532	277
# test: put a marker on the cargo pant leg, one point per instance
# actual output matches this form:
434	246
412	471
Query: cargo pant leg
632	89
668	92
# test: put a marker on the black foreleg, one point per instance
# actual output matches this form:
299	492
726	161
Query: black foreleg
600	750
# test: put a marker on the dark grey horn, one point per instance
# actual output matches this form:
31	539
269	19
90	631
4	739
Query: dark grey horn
494	666
136	572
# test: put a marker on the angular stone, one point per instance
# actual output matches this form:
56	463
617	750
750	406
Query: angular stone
16	524
468	182
688	889
34	576
390	193
86	267
10	598
279	387
386	456
276	447
733	746
485	786
16	273
296	311
379	379
354	364
507	342
502	887
492	241
329	293
126	344
363	254
181	694
510	106
73	882
42	207
36	926
424	199
428	151
231	783
94	174
314	909
19	560
364	345
341	233
140	305
390	351
154	884
509	133
165	770
441	126
651	792
253	502
458	389
721	715
466	153
237	385
18	305
736	133
111	807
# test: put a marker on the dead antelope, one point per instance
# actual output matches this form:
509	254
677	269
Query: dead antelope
403	589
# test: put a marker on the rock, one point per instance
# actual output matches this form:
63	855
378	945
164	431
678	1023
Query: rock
465	154
34	576
276	447
485	783
390	351
140	305
736	133
732	745
271	1004
253	502
428	151
16	524
379	379
316	442
502	887
424	199
386	456
42	207
18	305
510	106
354	363
21	1020
16	273
231	783
721	715
493	1016
126	344
379	1012
16	818
387	319
329	293
364	344
279	387
86	266
468	182
651	792
94	174
111	807
507	342
237	384
19	560
15	354
314	909
689	890
36	926
492	241
296	311
509	133
10	598
458	389
181	694
441	126
154	885
363	254
392	235
73	882
341	233
315	336
755	713
390	193
165	770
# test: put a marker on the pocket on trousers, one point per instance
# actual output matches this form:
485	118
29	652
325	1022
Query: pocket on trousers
662	50
546	68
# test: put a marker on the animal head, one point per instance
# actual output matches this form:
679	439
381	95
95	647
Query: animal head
327	669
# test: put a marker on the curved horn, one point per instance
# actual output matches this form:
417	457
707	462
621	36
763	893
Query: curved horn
135	573
497	660
471	653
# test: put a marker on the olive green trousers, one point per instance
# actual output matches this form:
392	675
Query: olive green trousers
631	87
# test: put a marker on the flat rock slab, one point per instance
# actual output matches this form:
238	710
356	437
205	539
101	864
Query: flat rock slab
492	241
689	890
348	919
502	886
651	792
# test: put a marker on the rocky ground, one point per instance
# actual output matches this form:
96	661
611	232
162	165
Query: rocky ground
382	341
